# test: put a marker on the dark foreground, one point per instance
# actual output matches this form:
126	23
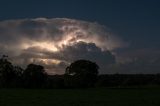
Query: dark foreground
81	97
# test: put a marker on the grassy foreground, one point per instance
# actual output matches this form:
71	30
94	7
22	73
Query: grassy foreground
80	97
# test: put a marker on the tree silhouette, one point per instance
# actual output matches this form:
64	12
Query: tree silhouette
9	74
81	73
34	76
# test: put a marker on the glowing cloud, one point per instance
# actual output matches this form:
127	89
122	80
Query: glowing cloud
56	42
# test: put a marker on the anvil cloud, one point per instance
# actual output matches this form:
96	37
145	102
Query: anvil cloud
54	43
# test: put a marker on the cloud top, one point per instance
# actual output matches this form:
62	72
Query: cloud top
56	42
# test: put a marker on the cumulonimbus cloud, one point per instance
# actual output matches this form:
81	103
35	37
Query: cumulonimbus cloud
56	42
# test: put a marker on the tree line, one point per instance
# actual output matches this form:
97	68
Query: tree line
79	74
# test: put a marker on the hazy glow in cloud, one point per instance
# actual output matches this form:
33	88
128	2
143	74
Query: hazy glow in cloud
56	42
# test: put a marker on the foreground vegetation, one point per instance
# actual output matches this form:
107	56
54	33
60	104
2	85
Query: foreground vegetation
80	97
80	74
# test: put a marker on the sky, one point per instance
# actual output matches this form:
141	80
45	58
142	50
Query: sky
128	29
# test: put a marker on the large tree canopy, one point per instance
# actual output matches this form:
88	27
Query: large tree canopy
34	76
81	73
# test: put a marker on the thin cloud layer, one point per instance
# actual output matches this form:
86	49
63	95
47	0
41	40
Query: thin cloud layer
57	42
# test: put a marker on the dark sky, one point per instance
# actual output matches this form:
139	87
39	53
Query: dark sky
137	21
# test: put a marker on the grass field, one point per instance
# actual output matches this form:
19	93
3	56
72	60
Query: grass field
80	97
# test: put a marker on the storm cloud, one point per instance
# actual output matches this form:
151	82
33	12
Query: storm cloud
55	43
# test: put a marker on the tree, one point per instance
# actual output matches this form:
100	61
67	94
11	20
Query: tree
9	74
34	76
81	73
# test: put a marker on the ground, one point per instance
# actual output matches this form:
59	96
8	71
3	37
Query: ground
81	97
